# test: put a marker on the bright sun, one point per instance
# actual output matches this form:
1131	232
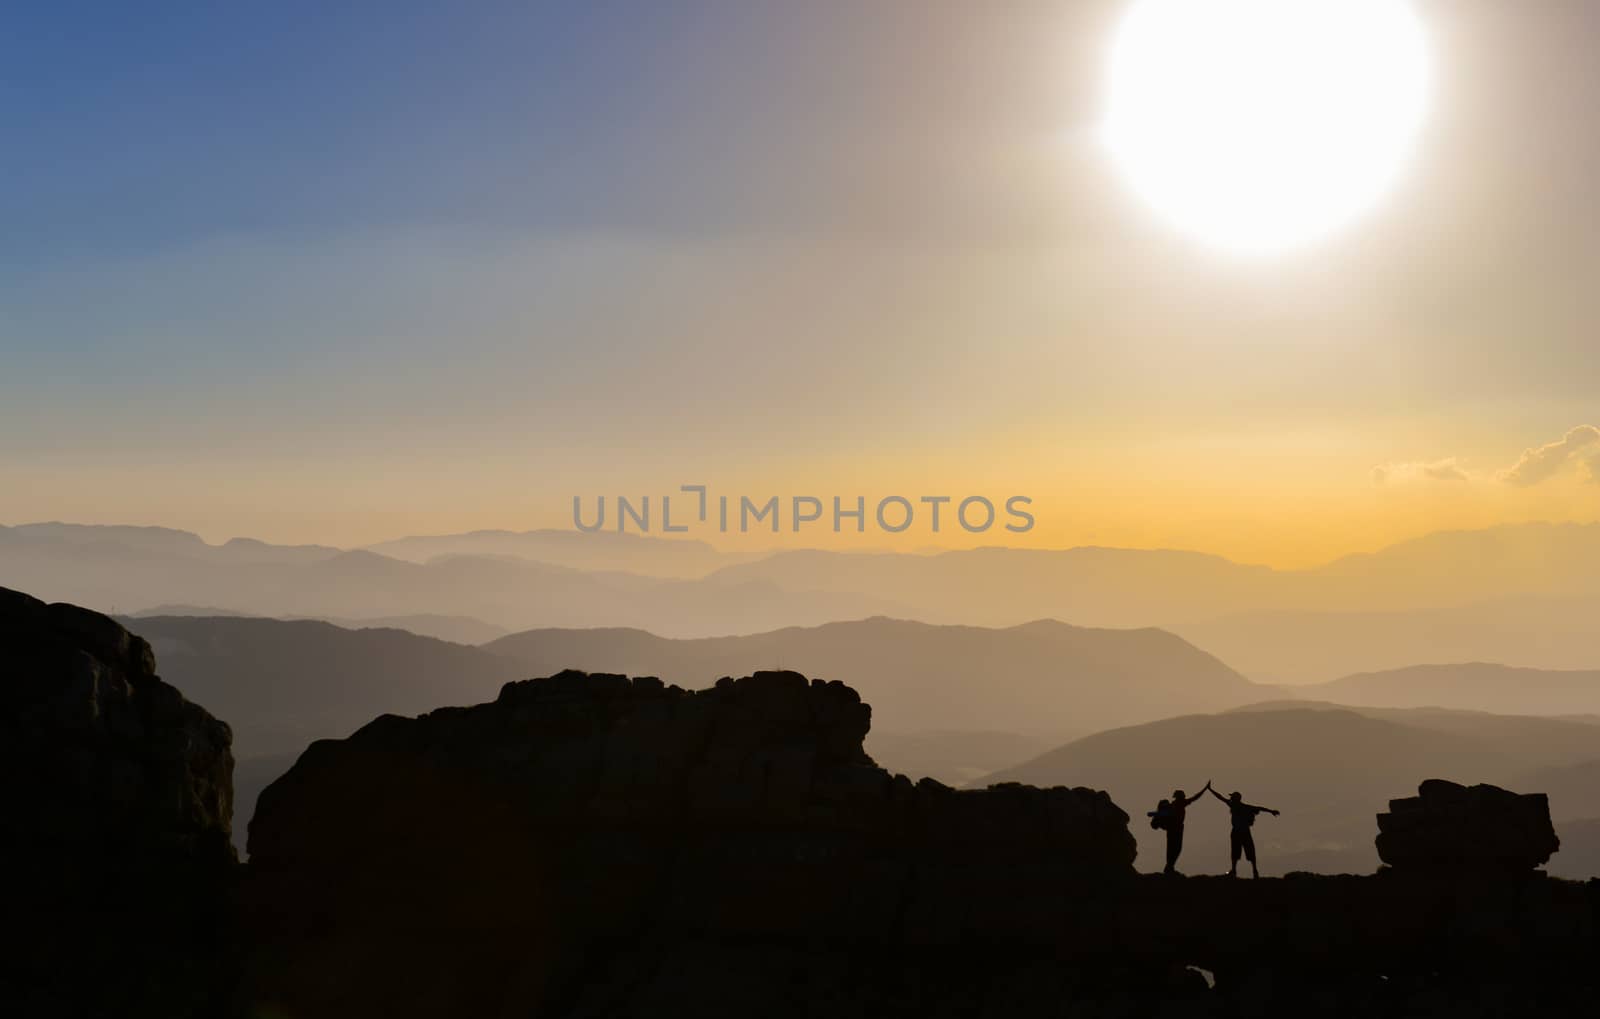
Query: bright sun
1259	125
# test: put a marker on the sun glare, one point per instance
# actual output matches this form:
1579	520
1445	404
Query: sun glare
1256	126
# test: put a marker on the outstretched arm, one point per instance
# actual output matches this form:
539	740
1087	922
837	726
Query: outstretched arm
1268	810
1218	795
1196	796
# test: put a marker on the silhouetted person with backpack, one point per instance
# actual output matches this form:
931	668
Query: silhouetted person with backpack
1240	840
1170	815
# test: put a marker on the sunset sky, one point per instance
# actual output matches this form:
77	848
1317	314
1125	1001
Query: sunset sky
338	276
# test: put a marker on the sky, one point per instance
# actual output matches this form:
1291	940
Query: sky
338	273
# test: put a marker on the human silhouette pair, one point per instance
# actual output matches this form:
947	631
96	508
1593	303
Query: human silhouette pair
1170	815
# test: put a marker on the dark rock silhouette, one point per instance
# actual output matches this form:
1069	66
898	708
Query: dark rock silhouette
582	809
770	751
1454	827
115	832
591	845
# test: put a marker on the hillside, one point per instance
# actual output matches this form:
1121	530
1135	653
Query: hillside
1574	788
1475	686
456	629
1312	647
282	684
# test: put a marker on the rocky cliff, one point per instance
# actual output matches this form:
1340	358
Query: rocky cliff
115	830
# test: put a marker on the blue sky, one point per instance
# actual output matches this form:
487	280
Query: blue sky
137	125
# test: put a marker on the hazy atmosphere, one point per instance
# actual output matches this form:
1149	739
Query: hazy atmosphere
810	508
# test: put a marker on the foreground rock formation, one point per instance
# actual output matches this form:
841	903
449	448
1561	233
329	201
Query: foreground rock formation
577	817
597	846
114	836
1450	827
600	846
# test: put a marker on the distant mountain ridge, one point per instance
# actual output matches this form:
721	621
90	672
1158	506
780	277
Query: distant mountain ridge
1308	647
1473	686
1130	587
93	567
1518	593
456	629
681	558
285	683
162	540
1044	676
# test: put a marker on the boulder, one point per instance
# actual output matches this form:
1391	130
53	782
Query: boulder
1451	827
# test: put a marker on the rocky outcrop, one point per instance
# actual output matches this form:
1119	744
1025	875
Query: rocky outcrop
593	845
584	754
1450	827
580	810
117	761
114	834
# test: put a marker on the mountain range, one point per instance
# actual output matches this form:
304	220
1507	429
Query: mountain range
1518	594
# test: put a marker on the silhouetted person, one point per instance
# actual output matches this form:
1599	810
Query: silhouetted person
1240	840
1171	817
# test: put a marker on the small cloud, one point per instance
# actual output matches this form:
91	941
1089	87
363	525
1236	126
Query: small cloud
1448	469
1591	468
1444	470
1544	462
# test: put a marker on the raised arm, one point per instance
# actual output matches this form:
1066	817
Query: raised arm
1197	795
1218	795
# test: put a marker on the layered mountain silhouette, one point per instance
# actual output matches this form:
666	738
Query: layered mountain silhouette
127	570
1472	687
457	629
1321	765
1123	587
1039	678
287	683
1309	647
600	550
1517	594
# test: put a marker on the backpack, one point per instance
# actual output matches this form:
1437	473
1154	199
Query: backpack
1162	815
